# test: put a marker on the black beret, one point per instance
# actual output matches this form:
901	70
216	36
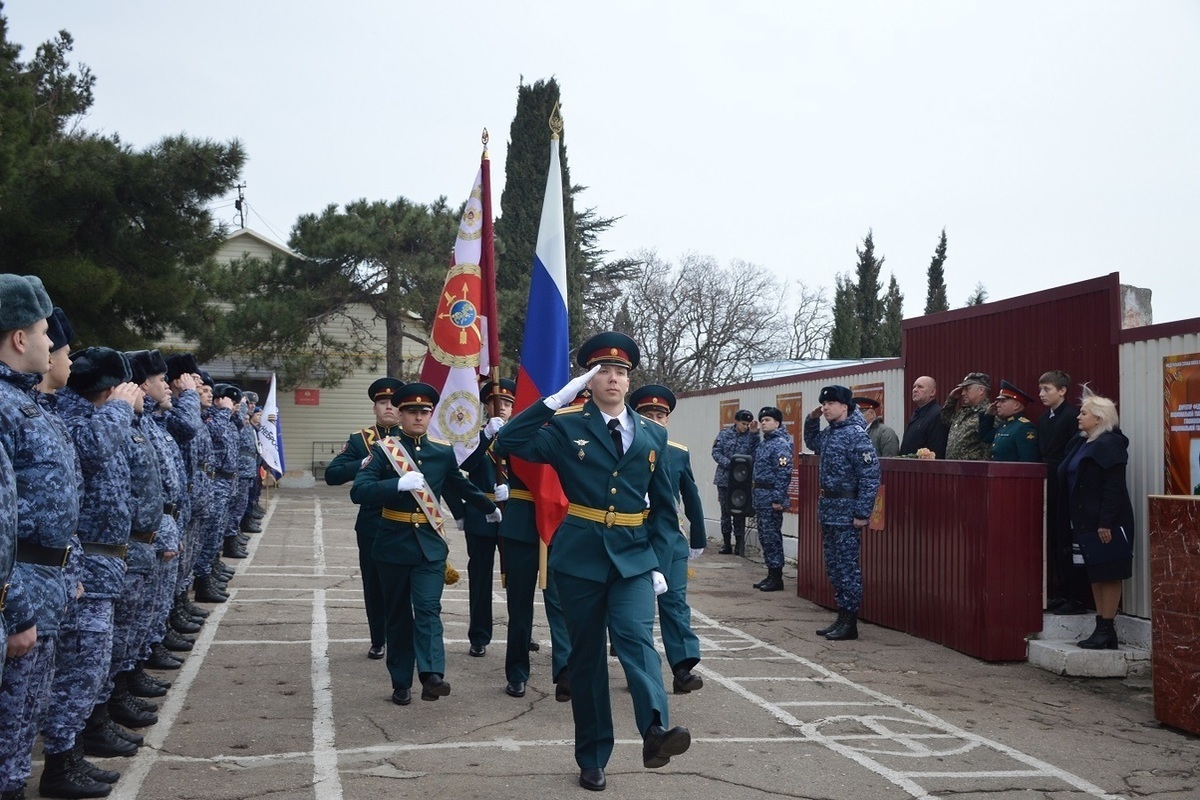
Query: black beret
61	333
23	301
609	347
771	411
652	397
146	363
836	394
181	364
95	369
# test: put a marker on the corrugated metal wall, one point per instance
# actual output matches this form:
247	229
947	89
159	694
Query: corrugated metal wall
1141	408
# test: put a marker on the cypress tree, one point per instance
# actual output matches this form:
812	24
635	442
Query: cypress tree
893	317
846	339
868	304
935	294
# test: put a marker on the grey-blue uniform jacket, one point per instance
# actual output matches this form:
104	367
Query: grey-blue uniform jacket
773	468
145	497
849	465
730	443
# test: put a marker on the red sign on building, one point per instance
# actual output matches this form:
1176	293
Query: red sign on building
308	397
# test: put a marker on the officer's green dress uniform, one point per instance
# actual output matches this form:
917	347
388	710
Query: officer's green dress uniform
409	553
482	539
1012	438
342	469
602	557
674	615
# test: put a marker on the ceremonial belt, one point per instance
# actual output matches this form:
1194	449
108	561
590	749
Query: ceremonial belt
520	494
31	553
102	549
4	596
400	460
225	475
609	518
414	517
839	494
171	510
145	537
490	496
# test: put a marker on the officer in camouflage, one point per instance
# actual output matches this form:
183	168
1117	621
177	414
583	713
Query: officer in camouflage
772	475
849	478
1006	428
961	413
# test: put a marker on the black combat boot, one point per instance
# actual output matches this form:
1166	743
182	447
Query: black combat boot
739	545
142	685
841	617
61	777
230	548
847	628
161	658
206	591
123	708
91	770
764	581
1103	638
726	548
180	620
774	581
250	525
99	739
177	643
195	611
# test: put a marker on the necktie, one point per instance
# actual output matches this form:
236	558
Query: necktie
614	427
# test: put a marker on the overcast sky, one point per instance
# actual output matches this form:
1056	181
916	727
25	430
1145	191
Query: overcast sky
1054	141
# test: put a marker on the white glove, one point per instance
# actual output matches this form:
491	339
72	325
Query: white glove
493	427
461	523
410	482
495	516
574	386
694	553
501	492
659	581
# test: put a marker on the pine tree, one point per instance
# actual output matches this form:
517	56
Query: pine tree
979	296
893	318
935	294
868	304
846	339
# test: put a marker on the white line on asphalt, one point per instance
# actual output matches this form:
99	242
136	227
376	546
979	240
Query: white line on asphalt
327	781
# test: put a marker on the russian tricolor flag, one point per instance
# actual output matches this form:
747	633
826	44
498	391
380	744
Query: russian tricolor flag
545	350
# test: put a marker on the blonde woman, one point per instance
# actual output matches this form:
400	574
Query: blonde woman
1098	509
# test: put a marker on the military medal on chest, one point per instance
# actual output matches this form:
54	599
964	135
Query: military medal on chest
581	443
653	456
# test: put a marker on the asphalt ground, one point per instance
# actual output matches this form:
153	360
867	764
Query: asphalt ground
278	700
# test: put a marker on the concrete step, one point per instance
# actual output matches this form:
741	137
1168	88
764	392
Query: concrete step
1055	648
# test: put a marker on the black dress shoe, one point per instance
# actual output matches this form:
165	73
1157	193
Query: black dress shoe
659	745
434	687
592	779
402	697
478	650
515	689
687	681
562	689
534	647
376	652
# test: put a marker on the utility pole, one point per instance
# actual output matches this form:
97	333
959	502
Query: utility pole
240	205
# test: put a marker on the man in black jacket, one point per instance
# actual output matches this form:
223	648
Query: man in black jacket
1055	428
924	428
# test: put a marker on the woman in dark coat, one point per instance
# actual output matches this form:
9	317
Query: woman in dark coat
1092	479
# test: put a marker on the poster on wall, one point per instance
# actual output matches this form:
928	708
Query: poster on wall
792	406
728	409
1181	423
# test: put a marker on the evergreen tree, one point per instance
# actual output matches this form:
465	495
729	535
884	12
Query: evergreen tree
979	296
890	336
935	294
846	339
868	304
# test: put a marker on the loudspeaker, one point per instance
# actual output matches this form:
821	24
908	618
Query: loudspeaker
741	486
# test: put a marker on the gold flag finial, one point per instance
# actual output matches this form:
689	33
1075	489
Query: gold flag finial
556	121
484	139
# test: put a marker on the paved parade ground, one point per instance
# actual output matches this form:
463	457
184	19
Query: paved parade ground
278	700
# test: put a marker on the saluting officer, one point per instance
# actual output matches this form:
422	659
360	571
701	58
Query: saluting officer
1006	428
608	460
342	469
673	549
405	476
849	478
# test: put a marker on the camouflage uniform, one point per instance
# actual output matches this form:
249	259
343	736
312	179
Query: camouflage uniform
48	487
187	428
772	474
247	468
962	441
224	469
11	601
1011	438
173	516
849	478
103	443
730	443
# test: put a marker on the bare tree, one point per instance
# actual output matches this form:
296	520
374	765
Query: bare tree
699	324
812	324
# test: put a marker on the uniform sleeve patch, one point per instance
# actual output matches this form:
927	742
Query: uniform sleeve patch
868	457
784	461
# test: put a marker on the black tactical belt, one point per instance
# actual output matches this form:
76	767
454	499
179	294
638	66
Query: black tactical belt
31	553
839	494
758	485
101	549
225	475
4	596
171	510
145	537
